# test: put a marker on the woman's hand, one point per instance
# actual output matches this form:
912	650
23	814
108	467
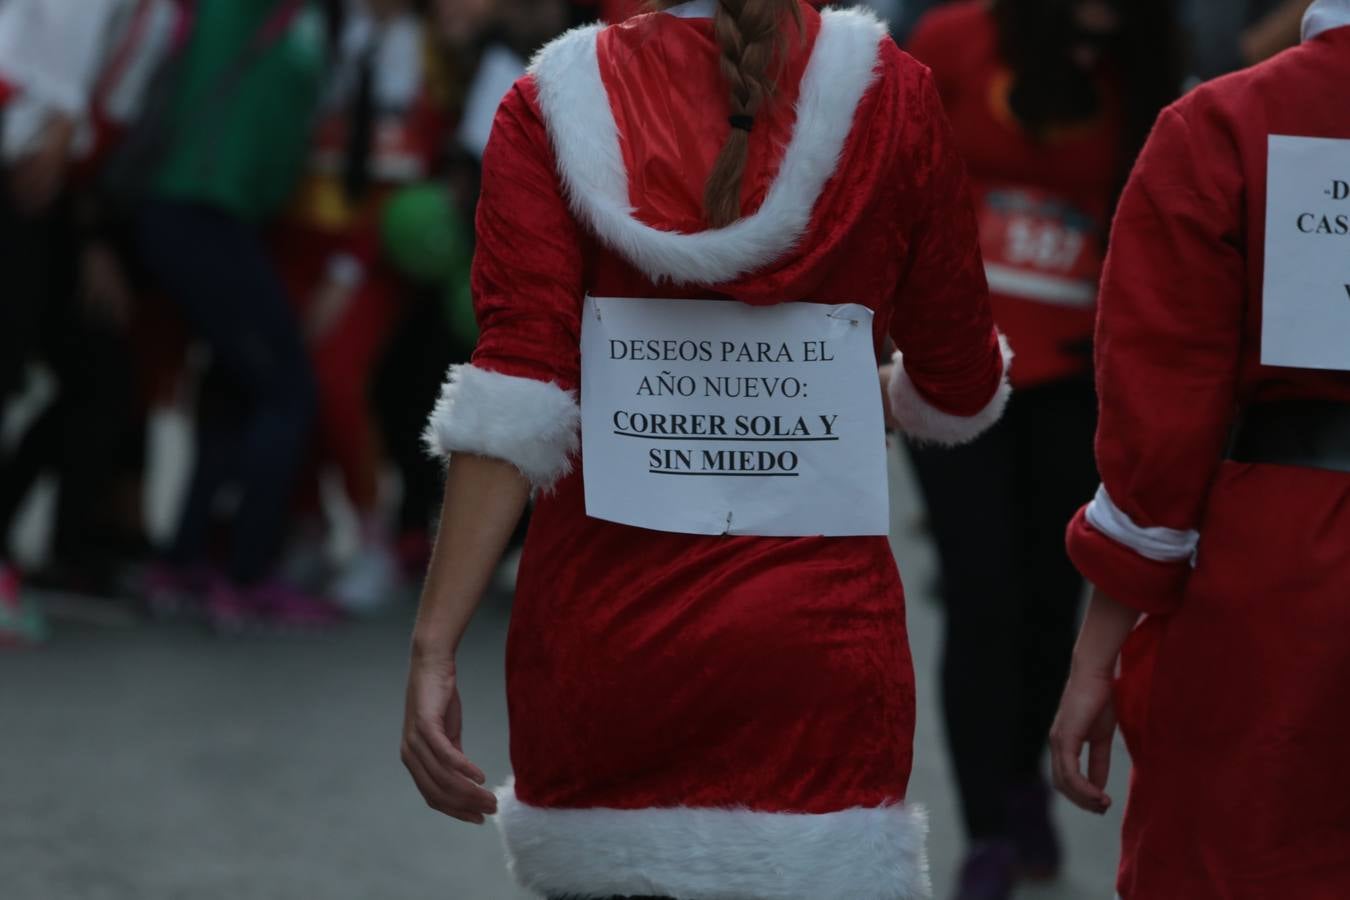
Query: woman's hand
484	499
432	750
1086	715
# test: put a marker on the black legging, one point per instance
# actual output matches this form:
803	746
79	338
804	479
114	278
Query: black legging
83	437
260	399
27	261
998	510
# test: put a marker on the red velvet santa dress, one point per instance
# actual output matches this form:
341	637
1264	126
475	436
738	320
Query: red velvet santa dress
713	717
1235	691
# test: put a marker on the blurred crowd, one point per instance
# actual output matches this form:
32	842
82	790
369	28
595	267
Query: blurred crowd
256	216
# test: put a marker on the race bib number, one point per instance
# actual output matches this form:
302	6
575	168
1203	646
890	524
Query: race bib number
1038	247
1306	312
714	417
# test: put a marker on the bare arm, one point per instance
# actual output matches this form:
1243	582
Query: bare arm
1105	628
510	421
1087	713
484	499
483	502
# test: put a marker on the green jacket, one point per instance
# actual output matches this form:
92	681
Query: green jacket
245	150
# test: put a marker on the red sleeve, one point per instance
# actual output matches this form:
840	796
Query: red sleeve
942	323
527	269
1169	337
517	400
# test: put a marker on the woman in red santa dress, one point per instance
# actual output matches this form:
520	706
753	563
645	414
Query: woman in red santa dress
723	713
1224	519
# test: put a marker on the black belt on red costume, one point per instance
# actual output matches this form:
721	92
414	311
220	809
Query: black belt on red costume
1313	434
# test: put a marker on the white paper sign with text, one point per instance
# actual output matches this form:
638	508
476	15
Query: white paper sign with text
1306	306
714	417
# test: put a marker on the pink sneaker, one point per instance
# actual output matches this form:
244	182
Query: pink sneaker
21	625
229	610
270	606
176	592
287	607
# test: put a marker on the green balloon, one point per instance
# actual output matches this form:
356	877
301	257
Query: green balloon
422	234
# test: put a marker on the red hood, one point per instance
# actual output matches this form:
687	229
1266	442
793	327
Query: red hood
637	114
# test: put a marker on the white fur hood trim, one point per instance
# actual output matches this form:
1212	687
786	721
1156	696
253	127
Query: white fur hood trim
534	425
716	854
572	95
924	423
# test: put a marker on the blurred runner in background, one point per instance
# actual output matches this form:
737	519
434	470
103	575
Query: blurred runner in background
1050	101
73	75
382	128
237	130
1223	35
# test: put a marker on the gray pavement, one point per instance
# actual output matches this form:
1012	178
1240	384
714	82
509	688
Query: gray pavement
143	762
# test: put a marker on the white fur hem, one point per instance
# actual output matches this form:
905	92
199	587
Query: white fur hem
575	103
924	423
717	854
1166	545
534	425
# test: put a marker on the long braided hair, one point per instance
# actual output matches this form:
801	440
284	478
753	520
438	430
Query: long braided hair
750	36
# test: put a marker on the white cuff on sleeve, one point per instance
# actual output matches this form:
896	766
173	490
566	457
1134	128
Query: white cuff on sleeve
1165	545
534	425
923	422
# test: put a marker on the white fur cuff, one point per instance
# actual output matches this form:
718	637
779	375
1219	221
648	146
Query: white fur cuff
715	854
1166	545
534	425
923	422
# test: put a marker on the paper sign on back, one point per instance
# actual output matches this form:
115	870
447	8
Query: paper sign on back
713	417
1307	285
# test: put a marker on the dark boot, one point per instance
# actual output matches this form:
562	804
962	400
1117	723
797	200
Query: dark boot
1039	852
989	872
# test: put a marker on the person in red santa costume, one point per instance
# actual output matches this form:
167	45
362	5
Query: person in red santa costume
1224	518
706	715
381	129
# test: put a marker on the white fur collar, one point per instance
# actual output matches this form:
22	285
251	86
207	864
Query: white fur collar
1325	15
585	139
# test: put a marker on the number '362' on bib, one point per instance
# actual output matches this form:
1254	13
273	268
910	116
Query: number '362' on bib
714	417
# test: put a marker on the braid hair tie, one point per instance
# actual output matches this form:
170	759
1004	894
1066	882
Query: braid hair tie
744	123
